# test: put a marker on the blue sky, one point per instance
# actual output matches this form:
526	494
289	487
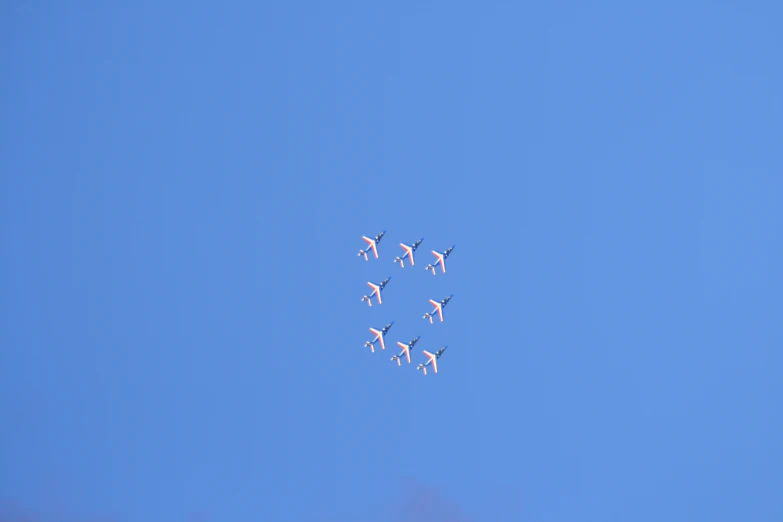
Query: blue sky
184	189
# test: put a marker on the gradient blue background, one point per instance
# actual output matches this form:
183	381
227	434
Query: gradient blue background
184	188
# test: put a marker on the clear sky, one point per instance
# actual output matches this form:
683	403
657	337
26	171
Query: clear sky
183	191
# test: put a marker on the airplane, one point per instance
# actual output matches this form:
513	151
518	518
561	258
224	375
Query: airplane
409	250
433	360
406	350
379	335
376	291
371	244
441	259
438	308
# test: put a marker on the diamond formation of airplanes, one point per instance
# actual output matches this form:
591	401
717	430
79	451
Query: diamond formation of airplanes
377	290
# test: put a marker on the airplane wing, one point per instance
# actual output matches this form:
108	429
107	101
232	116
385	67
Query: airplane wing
379	336
438	308
440	260
375	290
409	251
371	242
433	360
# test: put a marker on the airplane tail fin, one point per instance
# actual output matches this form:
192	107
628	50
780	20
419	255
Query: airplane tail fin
399	260
422	368
428	316
431	268
369	301
363	253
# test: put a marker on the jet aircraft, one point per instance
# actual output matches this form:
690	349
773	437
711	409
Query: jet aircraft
406	350
438	308
372	244
440	259
379	335
409	250
376	291
432	359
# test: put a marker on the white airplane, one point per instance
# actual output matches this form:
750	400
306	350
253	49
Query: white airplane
406	350
379	335
409	250
372	245
432	360
440	259
376	291
438	308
